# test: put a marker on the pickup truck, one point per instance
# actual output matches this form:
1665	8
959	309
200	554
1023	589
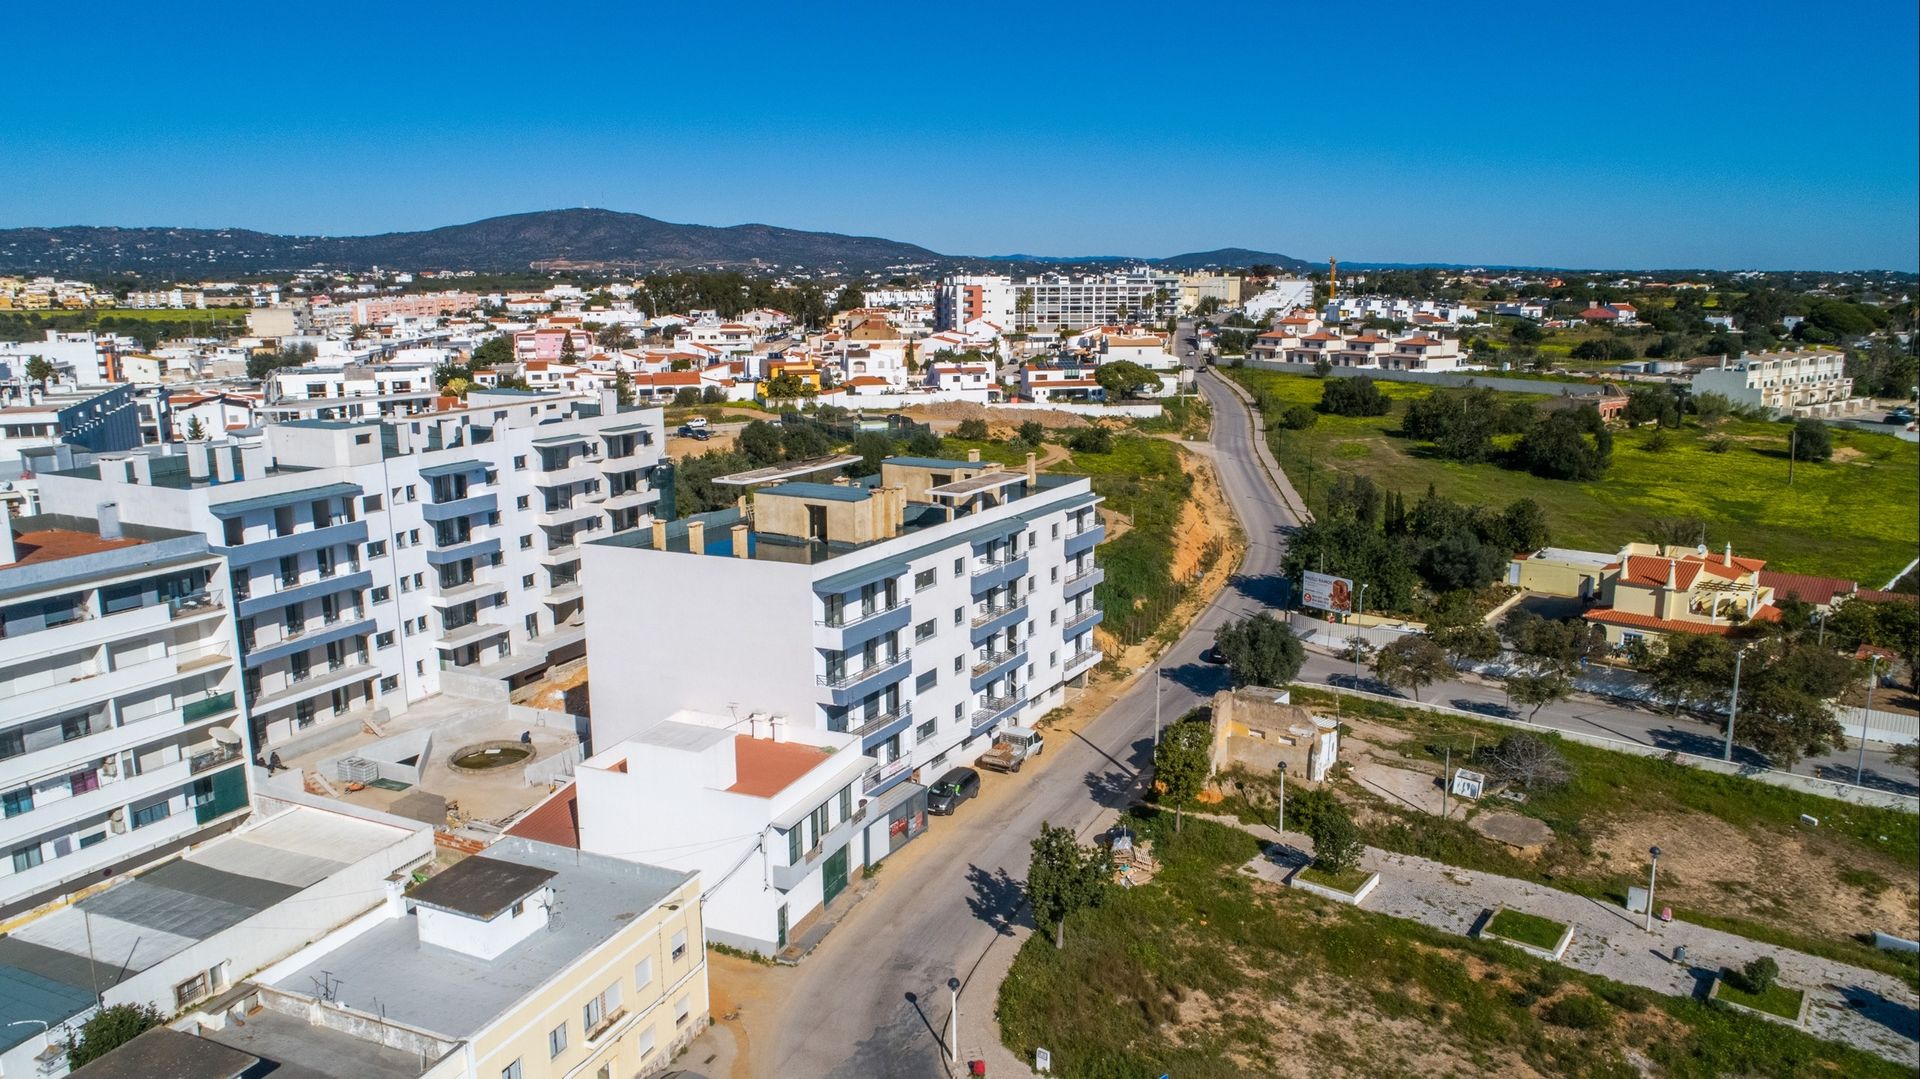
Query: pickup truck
1012	748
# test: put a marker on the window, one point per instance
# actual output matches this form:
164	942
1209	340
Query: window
924	580
520	503
406	584
1053	575
643	973
556	1041
146	815
396	494
190	990
413	496
926	681
925	629
512	1071
18	801
1053	659
26	858
600	1009
1053	618
681	1009
1056	530
520	464
407	627
381	594
370	504
846	802
679	945
960	567
925	731
793	845
646	1043
391	683
959	664
526	543
959	616
376	548
526	581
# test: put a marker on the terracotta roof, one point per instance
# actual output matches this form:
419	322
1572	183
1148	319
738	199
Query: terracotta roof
1652	572
764	768
1598	312
1820	591
53	544
555	821
1614	617
1874	595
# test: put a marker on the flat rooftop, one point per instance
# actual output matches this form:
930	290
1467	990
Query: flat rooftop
165	1053
53	544
456	995
46	973
480	886
302	1050
787	470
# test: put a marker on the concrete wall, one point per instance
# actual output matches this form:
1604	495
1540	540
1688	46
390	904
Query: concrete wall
1490	379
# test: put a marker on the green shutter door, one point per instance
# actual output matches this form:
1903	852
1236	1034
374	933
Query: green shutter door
834	876
229	794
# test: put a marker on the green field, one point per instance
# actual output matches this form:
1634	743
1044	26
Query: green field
1857	516
1527	928
1777	1000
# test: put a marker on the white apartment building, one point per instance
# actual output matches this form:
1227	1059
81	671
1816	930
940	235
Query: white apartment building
101	419
919	610
351	391
773	816
374	563
88	358
1281	294
1811	383
1053	300
119	700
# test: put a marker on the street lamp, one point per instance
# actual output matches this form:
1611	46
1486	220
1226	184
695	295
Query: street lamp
1873	675
953	1046
1281	823
1653	874
1733	705
1360	603
1157	680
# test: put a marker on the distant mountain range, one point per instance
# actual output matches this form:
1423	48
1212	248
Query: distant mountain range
581	238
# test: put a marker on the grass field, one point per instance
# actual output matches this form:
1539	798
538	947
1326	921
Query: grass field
1856	516
1527	928
1205	973
1347	880
1777	1000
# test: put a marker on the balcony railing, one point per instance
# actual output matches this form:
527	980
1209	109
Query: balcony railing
1091	655
885	772
988	565
993	706
842	681
992	660
1081	528
993	612
881	721
1080	618
1095	573
212	758
197	603
195	711
853	617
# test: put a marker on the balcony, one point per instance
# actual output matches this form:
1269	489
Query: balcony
451	595
885	777
207	708
312	638
857	626
1085	579
204	602
111	794
853	685
312	684
1081	660
471	633
1085	538
576	510
993	574
350	578
995	619
277	547
992	710
1081	620
213	758
874	731
470	506
480	550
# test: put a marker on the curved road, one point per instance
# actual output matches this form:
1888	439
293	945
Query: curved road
871	1001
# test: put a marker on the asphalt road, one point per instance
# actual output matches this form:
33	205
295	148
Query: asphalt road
871	1001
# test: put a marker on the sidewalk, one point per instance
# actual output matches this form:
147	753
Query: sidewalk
1862	1008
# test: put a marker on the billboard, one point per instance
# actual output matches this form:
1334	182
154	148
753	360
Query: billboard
1327	593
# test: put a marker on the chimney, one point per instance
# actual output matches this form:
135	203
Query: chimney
753	725
108	514
697	537
7	555
197	466
659	534
1729	554
1673	569
739	540
973	457
777	728
223	462
1033	478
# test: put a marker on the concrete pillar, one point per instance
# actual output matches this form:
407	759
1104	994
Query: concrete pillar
973	457
1032	472
659	534
7	555
697	537
739	532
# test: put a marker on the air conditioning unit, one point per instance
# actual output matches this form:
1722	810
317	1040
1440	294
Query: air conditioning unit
110	766
117	821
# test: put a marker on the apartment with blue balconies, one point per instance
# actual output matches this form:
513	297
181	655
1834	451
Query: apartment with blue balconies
919	609
120	733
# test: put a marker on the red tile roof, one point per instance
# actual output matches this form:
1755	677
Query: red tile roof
555	821
764	768
1819	591
1874	595
1614	617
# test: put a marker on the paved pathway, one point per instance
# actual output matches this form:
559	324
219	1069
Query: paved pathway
1862	1008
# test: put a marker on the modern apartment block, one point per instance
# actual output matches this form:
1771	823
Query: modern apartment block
97	418
1812	383
118	700
1048	301
919	609
374	563
350	391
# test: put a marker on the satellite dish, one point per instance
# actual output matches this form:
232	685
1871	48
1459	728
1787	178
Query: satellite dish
1700	549
225	736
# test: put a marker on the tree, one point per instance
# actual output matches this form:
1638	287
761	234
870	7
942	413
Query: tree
1711	408
622	388
1457	559
1296	418
1527	760
1356	396
850	298
800	441
1570	444
1412	663
686	397
759	443
1336	842
1032	433
971	430
786	386
41	370
1322	367
615	337
1694	667
1260	651
1526	525
1181	762
196	430
1759	975
1124	378
1467	643
923	443
261	364
1786	700
569	354
713	395
1063	877
1811	440
1539	689
110	1028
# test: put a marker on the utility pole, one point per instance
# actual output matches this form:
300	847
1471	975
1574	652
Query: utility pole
1446	783
1873	675
1653	875
953	1046
1156	705
1733	705
1280	823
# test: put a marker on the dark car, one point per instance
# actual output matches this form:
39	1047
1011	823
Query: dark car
1213	655
947	792
1899	415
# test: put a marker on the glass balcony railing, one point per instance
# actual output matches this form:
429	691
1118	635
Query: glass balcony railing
195	711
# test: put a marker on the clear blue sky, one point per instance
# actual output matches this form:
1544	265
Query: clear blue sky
1772	135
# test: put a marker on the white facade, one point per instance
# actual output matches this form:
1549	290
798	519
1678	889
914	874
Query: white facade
1787	383
1281	294
118	699
349	391
917	632
374	562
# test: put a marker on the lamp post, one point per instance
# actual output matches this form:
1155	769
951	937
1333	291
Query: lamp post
1873	675
1653	875
1733	705
1281	821
953	1046
1360	602
1156	705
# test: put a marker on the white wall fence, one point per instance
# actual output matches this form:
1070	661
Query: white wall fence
1134	410
1895	728
1826	788
555	769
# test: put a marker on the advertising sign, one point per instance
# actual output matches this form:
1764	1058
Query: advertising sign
1327	593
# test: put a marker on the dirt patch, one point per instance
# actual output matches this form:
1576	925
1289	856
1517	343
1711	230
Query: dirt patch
1200	526
1000	421
1710	865
560	693
692	447
1847	453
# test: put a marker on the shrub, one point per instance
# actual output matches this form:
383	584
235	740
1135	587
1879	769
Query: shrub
1296	418
1578	1011
1759	975
972	430
1094	439
109	1029
1356	396
1032	433
1336	842
1718	444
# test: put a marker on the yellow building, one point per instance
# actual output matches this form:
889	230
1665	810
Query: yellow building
526	961
1653	590
1561	571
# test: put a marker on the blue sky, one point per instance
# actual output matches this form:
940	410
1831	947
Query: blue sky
1765	134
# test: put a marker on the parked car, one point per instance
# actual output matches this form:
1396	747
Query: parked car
1903	414
947	792
696	428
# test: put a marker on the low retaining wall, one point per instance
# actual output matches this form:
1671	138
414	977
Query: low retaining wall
1354	898
1559	949
1825	788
